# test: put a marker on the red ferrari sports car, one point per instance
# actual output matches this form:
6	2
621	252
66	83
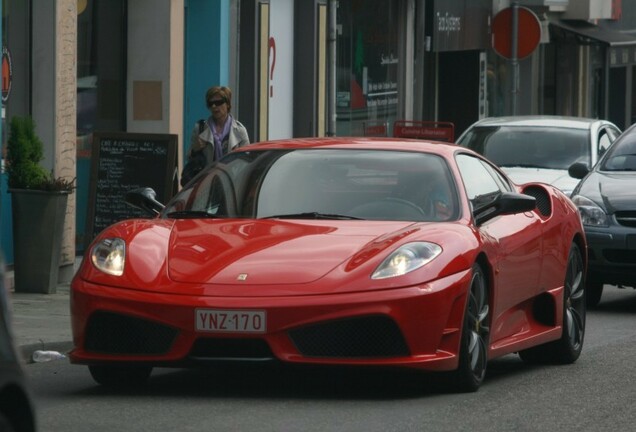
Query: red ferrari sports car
340	251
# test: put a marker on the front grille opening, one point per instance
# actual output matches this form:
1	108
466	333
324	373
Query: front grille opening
364	337
113	333
225	348
626	218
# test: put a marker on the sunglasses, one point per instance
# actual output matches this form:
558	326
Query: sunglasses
216	102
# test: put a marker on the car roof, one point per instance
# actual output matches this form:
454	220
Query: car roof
372	143
558	121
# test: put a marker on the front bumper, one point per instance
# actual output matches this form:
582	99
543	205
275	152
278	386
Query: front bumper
415	326
612	254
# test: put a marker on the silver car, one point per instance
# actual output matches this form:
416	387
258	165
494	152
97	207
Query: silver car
540	148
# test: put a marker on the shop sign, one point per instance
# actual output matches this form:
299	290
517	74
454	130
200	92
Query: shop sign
7	74
460	25
430	130
622	56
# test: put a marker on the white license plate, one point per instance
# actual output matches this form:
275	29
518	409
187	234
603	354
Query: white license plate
230	321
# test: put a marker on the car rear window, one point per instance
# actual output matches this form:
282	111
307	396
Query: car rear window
533	147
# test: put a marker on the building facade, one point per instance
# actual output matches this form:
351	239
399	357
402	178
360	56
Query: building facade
297	69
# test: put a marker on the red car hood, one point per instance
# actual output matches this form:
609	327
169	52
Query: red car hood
271	251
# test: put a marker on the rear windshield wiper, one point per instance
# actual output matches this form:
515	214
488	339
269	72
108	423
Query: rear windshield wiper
191	214
313	215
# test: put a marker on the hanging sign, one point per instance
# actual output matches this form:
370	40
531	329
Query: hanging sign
7	74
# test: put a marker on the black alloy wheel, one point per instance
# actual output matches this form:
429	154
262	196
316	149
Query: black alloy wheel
574	308
593	293
473	356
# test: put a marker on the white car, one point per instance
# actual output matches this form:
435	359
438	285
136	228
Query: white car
540	148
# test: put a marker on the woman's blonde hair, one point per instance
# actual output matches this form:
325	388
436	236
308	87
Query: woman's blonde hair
223	92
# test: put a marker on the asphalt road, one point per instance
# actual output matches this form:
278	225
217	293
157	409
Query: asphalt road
594	394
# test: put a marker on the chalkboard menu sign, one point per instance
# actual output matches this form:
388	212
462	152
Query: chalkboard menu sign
122	162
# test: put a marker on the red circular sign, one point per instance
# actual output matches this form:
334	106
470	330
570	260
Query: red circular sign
528	32
7	74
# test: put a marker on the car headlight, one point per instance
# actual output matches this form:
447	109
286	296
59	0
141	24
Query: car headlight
109	256
406	259
591	213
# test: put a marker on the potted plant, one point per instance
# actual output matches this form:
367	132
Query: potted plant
38	201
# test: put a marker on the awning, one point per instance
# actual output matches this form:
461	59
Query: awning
612	38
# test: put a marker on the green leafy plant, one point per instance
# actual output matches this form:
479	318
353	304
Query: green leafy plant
24	154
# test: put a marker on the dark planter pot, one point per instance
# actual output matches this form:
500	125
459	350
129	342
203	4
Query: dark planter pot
38	225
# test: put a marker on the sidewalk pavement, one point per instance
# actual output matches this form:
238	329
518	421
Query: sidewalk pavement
42	321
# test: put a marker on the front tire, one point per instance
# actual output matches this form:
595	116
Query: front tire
593	293
120	376
568	348
473	356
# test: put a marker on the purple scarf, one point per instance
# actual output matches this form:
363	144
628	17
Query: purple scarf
218	138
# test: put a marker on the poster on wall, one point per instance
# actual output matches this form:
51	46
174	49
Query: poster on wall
281	69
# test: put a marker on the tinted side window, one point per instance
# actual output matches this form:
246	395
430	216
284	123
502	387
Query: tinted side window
503	182
478	180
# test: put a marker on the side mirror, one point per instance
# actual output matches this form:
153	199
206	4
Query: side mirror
505	203
144	199
578	170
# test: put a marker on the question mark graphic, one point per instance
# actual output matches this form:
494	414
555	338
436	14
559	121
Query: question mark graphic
272	49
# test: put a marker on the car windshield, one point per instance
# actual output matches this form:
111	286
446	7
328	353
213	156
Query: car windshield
322	184
533	147
621	156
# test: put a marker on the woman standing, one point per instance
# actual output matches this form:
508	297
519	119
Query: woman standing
219	134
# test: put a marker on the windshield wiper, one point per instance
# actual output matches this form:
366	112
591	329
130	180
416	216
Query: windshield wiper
191	214
313	215
521	165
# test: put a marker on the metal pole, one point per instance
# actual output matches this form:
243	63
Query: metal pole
331	97
514	61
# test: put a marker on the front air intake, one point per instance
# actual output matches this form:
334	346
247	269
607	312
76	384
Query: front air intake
364	337
113	333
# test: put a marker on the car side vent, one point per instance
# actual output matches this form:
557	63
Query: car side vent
544	203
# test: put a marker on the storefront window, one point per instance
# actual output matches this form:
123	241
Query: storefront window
101	55
367	67
498	85
101	86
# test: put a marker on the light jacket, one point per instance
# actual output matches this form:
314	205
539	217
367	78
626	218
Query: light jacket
237	137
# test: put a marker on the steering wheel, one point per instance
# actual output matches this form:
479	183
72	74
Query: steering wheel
406	203
390	208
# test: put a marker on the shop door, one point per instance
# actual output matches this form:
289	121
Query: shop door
458	85
617	96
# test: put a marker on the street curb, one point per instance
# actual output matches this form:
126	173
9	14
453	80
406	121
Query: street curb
26	351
